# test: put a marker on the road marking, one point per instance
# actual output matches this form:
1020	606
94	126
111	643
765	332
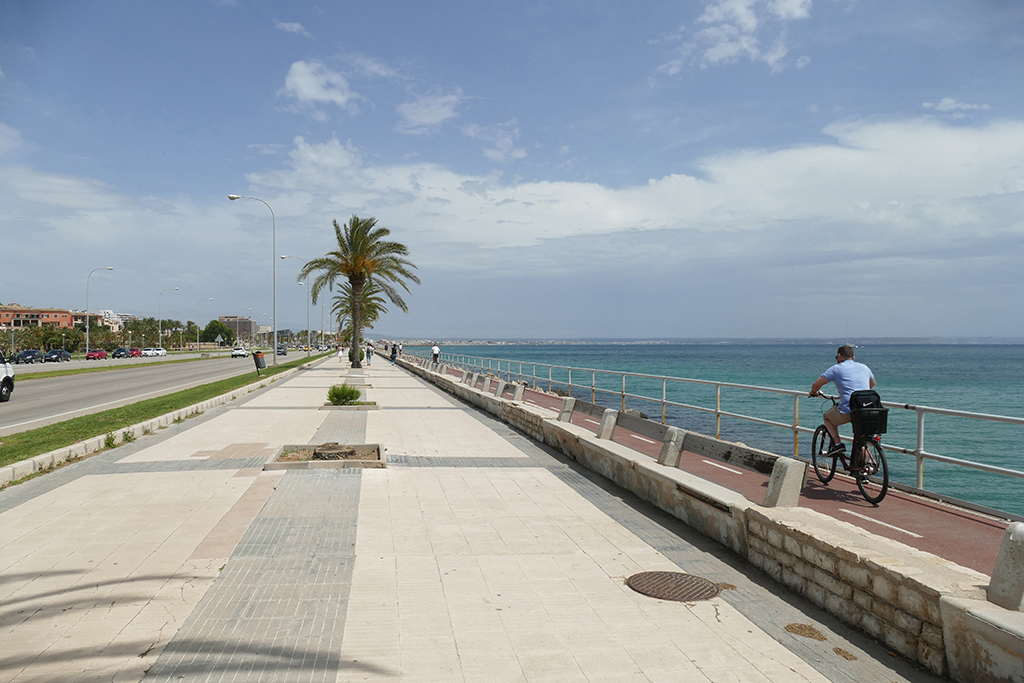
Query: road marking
895	528
728	469
591	421
641	438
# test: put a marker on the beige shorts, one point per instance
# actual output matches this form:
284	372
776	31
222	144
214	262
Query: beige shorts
837	418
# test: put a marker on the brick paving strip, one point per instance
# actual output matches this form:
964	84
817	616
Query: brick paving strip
476	555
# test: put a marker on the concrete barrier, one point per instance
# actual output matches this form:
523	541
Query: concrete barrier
929	610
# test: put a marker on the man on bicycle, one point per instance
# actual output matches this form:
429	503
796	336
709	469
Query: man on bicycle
849	376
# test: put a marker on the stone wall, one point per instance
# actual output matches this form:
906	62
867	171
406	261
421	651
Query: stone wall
930	610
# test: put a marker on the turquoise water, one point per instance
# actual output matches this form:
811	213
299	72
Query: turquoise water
975	378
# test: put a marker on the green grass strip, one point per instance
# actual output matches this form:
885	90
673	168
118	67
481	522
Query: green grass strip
17	447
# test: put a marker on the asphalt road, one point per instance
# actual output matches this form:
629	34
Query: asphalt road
39	402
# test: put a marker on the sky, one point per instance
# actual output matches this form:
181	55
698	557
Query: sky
557	169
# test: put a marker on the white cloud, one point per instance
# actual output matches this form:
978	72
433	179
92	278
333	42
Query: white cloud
10	140
311	83
425	114
503	137
952	106
292	27
738	29
368	66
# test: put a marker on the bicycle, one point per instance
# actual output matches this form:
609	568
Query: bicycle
866	464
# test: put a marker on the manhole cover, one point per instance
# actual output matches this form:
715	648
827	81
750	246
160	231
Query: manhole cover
673	586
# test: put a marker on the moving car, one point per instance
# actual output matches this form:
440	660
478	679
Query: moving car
147	352
281	350
96	354
134	352
239	352
6	379
160	351
28	356
121	352
56	356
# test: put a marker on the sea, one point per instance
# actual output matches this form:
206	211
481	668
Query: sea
978	378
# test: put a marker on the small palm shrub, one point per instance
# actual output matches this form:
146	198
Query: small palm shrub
343	395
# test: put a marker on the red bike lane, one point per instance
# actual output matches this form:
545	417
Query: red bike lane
967	538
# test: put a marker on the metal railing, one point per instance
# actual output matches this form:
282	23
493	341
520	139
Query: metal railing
514	370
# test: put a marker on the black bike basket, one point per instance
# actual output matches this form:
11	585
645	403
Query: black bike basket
870	420
869	417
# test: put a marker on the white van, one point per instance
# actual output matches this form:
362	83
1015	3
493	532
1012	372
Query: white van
7	378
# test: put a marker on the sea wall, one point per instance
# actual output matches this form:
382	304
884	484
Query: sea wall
931	611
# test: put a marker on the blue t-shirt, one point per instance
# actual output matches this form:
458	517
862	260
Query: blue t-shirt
848	376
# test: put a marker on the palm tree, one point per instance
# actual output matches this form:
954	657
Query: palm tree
363	255
373	305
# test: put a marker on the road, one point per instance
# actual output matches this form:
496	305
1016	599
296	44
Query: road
39	402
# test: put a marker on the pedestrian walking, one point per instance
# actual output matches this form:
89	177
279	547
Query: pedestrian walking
394	354
435	352
369	354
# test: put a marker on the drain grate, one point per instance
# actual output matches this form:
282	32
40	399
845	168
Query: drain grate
673	586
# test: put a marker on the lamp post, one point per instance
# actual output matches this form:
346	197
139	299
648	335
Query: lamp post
62	335
87	303
197	321
159	321
273	224
308	297
238	326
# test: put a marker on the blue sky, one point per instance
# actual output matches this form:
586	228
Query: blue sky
741	168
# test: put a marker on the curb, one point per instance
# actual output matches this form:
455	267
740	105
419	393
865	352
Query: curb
46	461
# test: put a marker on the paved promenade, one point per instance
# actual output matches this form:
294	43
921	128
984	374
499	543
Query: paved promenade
476	555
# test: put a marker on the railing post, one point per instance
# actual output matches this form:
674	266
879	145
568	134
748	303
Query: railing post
663	399
623	392
796	426
549	380
920	448
570	381
718	411
593	387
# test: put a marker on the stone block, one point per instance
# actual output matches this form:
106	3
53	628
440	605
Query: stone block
884	589
6	475
775	537
794	581
872	625
816	594
846	610
883	610
44	461
931	634
607	427
568	405
932	658
520	392
832	584
755	528
821	559
787	480
916	603
671	447
900	640
855	574
863	599
1007	586
22	469
907	622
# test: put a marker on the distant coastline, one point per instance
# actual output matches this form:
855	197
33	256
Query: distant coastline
865	341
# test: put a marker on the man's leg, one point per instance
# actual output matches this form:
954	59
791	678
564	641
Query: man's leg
832	419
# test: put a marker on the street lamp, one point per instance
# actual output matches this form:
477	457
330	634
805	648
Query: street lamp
238	327
308	297
87	304
273	223
159	322
197	321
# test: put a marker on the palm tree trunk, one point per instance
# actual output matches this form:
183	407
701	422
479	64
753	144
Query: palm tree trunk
357	321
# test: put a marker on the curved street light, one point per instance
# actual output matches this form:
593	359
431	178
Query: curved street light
159	322
87	304
197	321
273	220
308	297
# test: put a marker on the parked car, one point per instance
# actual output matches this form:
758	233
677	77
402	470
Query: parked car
28	356
6	378
121	352
159	351
239	352
57	356
96	354
148	352
134	352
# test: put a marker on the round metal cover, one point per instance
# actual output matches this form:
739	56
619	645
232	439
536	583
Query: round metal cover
673	586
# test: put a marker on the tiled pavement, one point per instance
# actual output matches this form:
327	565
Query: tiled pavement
476	555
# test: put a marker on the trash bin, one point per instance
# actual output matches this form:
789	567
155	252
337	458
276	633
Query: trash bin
261	364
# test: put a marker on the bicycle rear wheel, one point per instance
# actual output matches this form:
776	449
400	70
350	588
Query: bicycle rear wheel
824	464
873	478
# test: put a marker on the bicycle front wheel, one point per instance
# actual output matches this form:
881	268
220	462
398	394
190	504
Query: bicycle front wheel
873	478
824	464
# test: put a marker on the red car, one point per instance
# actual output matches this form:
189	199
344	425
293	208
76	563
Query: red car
96	354
134	352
